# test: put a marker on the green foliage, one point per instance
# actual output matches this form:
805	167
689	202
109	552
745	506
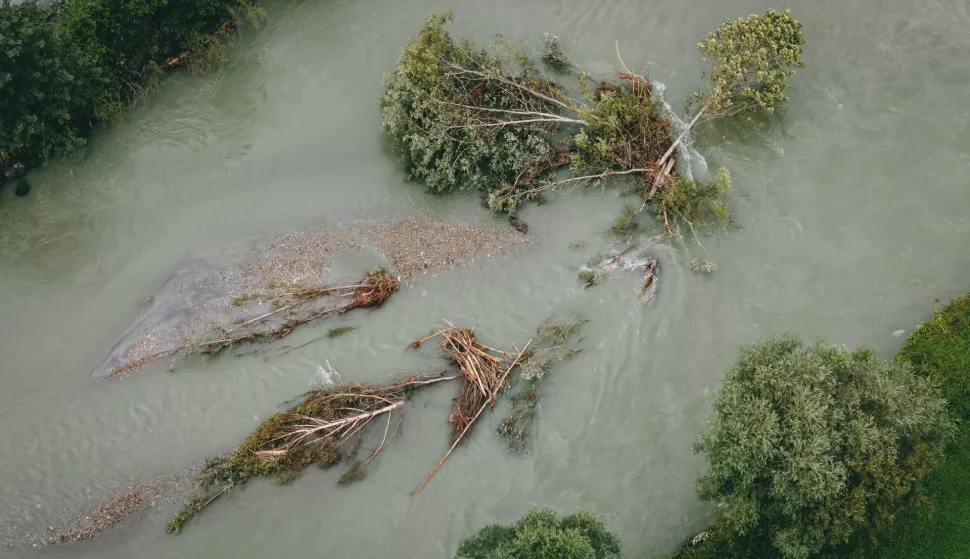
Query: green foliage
439	110
815	446
940	349
626	129
38	80
751	62
940	530
695	202
542	534
66	67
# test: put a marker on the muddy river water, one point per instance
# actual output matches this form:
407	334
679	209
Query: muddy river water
851	213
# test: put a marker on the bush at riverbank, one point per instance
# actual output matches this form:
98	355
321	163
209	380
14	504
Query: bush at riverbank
935	524
65	67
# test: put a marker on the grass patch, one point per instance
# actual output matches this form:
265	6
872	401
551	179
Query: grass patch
940	349
337	332
245	298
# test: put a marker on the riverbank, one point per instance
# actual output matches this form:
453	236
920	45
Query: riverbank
70	65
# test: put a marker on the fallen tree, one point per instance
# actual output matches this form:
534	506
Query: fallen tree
320	430
489	119
328	426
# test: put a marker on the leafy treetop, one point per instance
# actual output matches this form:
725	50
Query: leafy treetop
814	446
751	61
542	534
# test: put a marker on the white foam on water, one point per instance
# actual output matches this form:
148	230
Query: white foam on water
325	375
686	151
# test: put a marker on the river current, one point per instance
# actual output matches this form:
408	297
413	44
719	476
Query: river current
850	219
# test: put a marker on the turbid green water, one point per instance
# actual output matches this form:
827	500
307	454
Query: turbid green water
853	211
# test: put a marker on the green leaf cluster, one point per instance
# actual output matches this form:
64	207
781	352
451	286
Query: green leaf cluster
815	446
439	106
696	202
752	59
542	534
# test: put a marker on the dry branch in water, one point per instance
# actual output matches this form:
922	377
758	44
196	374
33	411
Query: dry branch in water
294	307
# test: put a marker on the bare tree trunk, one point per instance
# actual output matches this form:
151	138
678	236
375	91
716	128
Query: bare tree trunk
666	169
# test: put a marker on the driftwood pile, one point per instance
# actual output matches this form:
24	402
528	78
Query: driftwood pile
482	373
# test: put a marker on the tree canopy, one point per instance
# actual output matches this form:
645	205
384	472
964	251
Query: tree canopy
814	446
751	62
37	85
67	66
542	534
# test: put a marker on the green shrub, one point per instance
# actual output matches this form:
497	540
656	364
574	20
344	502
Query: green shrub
542	534
814	446
940	349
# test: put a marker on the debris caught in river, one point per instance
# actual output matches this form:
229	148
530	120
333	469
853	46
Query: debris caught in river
518	224
329	424
324	429
699	266
613	260
337	332
293	307
551	337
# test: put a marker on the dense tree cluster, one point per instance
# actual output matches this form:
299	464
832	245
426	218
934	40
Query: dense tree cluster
65	67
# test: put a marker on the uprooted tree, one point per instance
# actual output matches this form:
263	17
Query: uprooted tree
462	116
329	425
543	534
